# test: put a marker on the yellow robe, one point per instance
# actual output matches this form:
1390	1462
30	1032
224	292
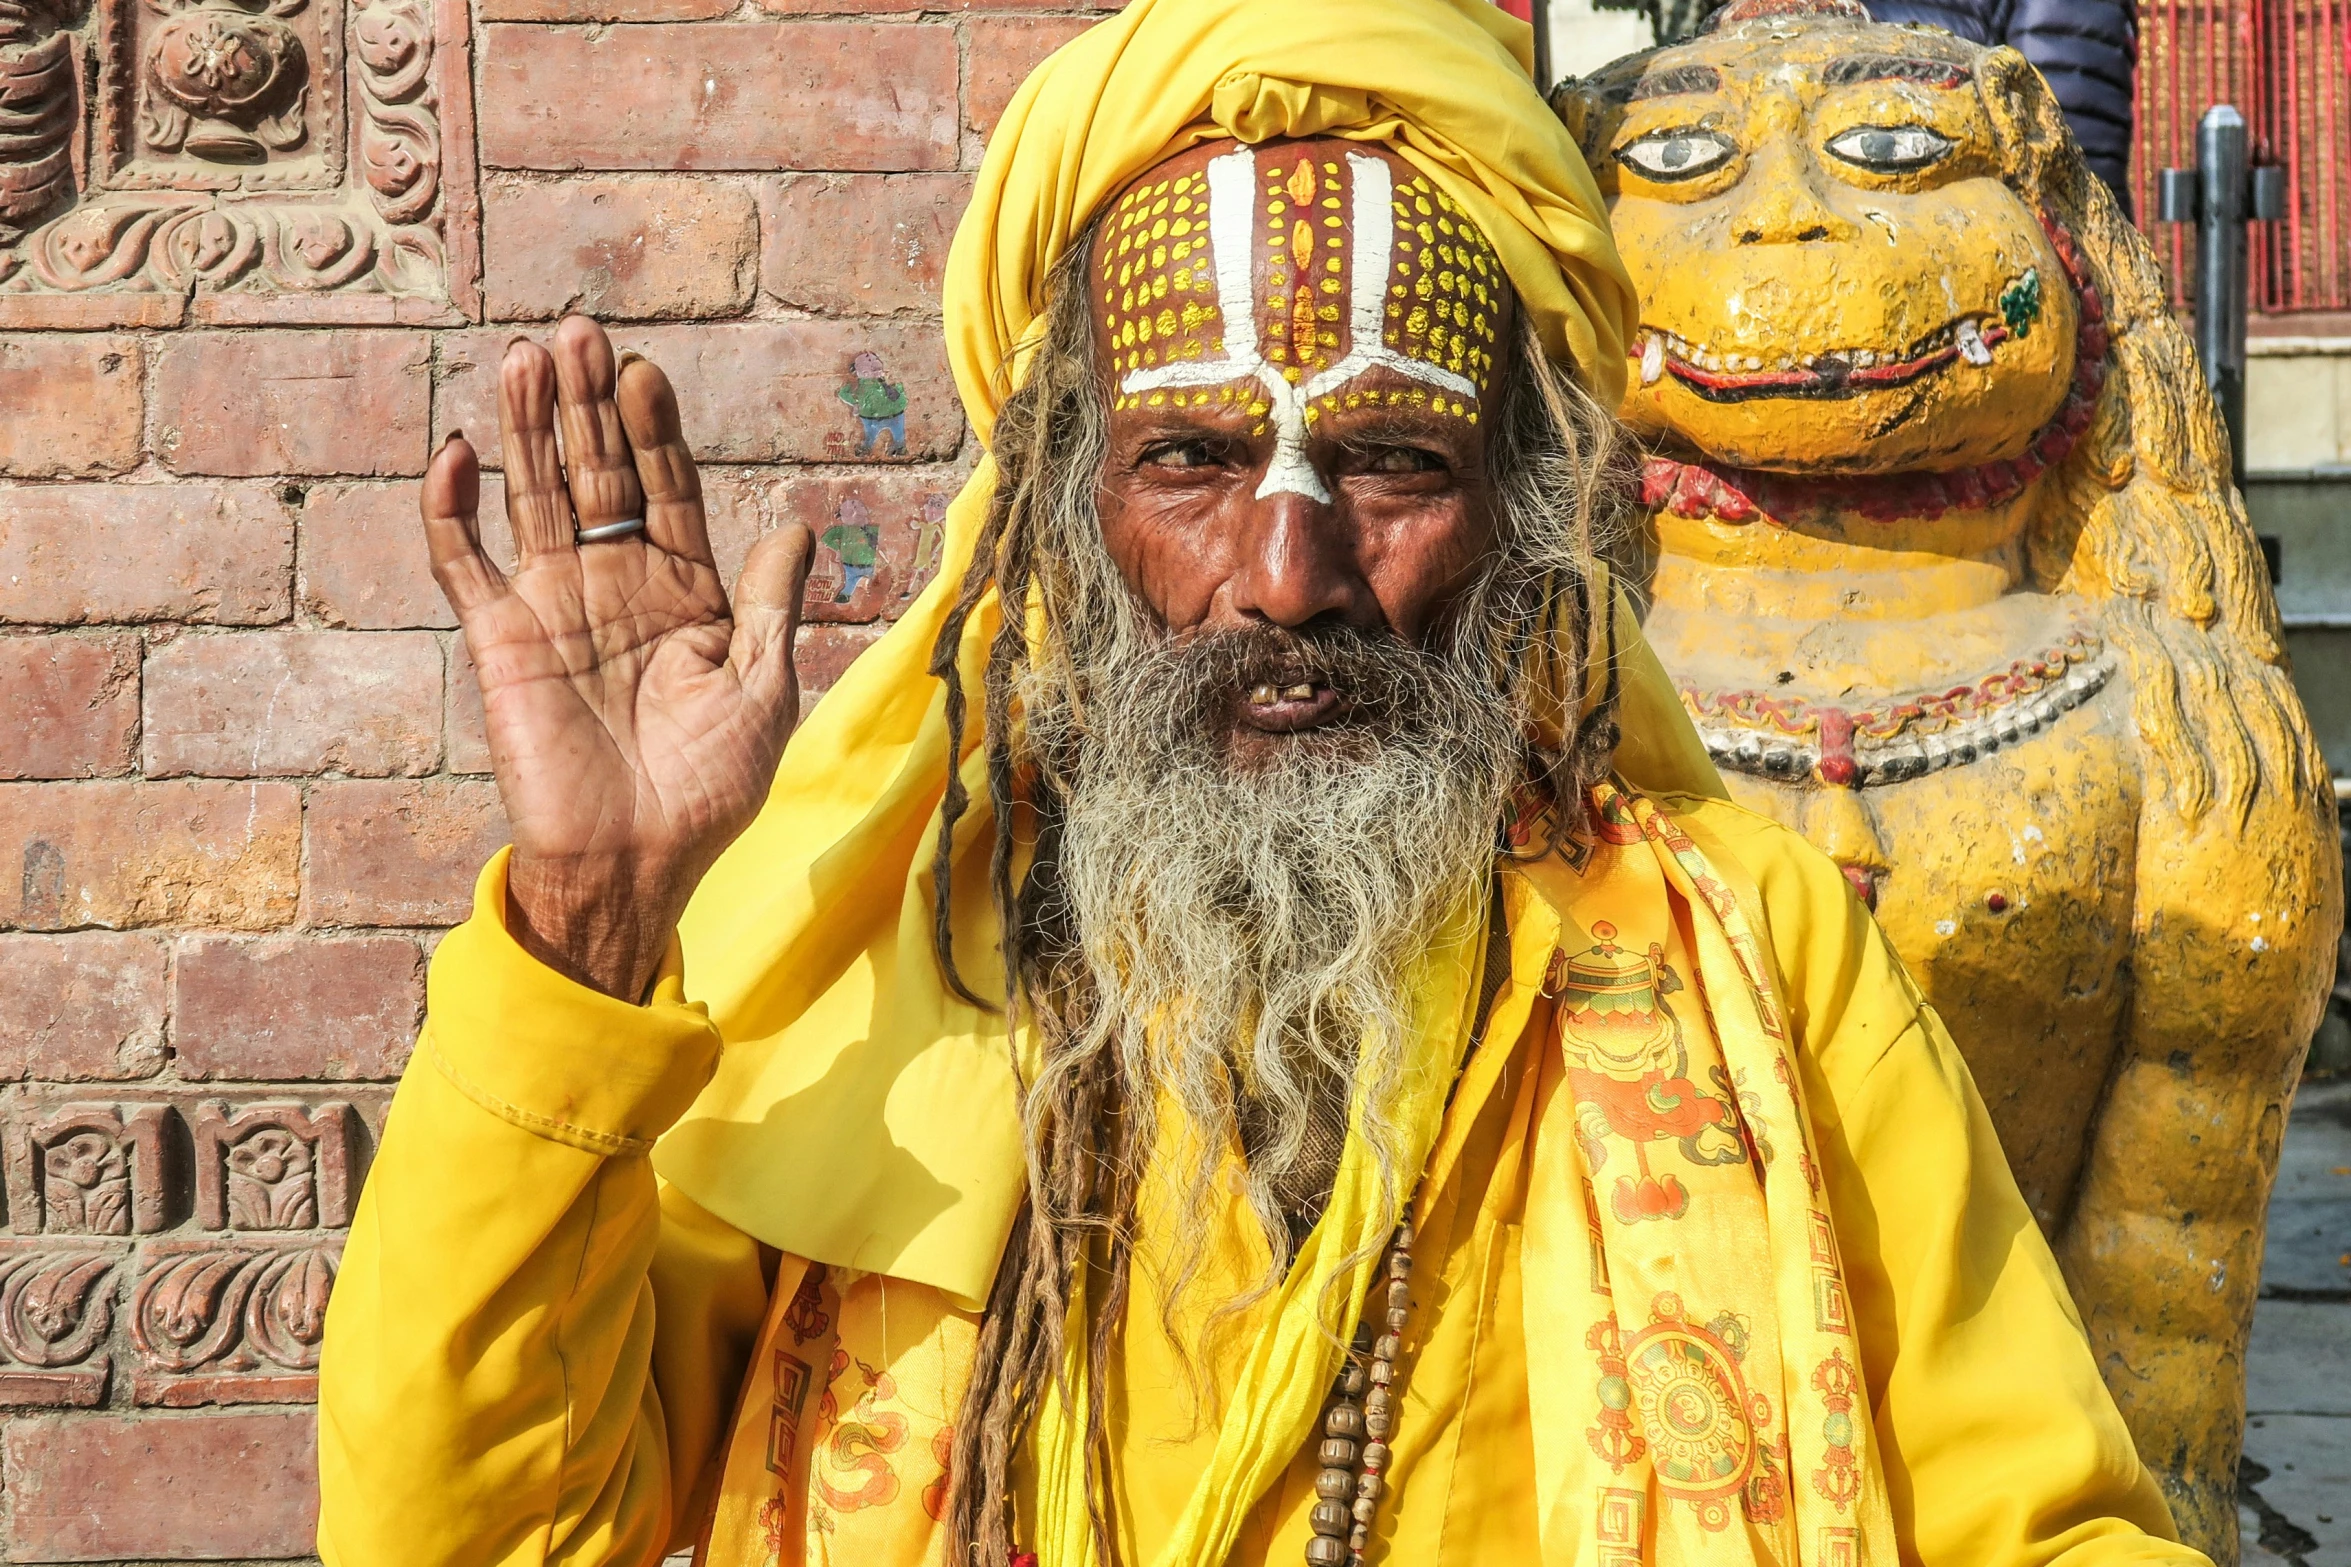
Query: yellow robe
535	1348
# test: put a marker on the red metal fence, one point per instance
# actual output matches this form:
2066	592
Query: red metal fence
2287	65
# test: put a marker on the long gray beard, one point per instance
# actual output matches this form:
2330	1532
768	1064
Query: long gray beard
1249	929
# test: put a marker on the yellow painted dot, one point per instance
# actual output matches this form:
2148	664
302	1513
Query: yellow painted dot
1277	207
1330	285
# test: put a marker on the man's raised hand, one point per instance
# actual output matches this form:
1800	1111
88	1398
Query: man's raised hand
635	717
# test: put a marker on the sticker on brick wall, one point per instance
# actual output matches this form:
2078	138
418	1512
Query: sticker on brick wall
879	405
281	147
879	539
930	545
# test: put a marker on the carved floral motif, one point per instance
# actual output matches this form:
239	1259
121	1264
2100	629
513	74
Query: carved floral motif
240	1320
273	1166
56	1309
88	1169
55	1306
224	83
216	149
229	1309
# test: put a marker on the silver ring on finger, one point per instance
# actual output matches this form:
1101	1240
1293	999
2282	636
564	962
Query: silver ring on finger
606	532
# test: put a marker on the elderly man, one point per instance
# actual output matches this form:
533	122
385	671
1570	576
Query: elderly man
1244	1030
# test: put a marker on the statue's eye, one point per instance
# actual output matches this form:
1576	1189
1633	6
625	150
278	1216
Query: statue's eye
1676	155
1890	149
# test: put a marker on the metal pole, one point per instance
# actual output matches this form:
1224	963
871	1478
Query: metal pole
2220	267
1539	14
2220	195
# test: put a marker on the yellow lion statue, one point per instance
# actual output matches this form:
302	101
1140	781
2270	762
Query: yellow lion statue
1944	554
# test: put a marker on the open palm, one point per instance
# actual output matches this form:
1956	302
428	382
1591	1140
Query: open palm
635	716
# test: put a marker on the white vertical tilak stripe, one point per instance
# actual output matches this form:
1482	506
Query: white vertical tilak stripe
1374	251
1232	225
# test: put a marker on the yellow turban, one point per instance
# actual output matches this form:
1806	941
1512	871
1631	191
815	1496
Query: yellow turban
862	1115
1447	83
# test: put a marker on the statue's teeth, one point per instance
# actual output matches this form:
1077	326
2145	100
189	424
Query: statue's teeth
1971	343
1652	360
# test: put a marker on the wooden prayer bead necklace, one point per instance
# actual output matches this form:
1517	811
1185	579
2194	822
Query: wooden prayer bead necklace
1357	1421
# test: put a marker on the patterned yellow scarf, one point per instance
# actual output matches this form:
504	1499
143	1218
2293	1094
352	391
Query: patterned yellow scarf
1695	1391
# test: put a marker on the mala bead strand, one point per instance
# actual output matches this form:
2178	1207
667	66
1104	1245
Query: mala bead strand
1359	1419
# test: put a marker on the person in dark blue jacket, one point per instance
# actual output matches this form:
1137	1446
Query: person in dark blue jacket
2088	49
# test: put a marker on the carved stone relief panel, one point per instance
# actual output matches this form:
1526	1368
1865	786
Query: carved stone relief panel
286	148
274	1166
56	1307
217	1323
88	1169
193	1244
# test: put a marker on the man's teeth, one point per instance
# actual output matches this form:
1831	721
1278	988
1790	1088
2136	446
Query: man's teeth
1266	694
1971	344
1652	360
1297	693
1262	696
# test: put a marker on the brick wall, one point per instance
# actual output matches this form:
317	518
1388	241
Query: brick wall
243	783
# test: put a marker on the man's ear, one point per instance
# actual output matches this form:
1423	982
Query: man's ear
2034	140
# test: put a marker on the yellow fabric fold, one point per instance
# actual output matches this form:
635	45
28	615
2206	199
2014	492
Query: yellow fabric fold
480	977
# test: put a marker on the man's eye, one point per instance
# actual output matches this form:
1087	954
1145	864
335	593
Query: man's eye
1676	155
1184	454
1402	459
1890	149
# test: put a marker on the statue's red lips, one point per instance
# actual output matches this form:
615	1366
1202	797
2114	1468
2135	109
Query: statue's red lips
1828	377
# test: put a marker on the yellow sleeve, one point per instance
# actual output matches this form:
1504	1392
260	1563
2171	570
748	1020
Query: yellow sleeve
532	1348
2002	1446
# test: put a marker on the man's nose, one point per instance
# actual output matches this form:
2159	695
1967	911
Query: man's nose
1298	563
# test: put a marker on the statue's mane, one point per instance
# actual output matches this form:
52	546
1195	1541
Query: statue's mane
2142	517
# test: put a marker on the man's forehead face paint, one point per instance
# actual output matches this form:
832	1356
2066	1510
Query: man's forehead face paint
1364	268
